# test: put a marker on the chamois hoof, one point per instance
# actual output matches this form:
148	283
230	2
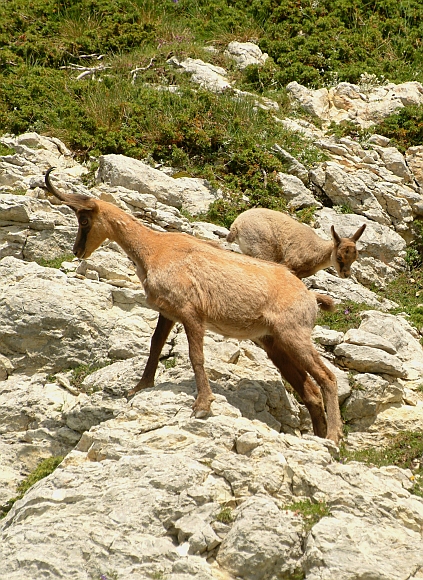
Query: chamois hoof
200	414
199	411
139	387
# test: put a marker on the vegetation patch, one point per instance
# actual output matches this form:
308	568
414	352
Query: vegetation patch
352	381
5	150
344	317
169	363
407	291
306	215
225	516
311	512
80	372
405	450
43	469
109	575
405	127
55	262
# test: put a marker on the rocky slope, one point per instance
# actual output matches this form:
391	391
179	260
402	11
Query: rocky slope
147	491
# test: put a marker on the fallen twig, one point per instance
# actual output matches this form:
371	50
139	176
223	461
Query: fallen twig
135	71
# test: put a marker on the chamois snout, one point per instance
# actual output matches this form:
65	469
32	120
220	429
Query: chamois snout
91	233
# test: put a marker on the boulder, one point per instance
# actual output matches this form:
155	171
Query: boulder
246	53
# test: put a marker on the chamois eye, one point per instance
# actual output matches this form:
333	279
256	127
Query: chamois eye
84	222
339	259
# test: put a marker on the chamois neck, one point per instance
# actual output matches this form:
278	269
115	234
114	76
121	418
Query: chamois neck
132	236
327	254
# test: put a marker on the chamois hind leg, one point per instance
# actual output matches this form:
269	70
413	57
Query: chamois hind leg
194	329
300	381
301	349
163	328
327	382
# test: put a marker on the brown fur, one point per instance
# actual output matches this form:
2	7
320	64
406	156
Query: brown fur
202	286
277	237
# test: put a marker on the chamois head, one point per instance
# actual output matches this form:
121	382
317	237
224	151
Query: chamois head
345	251
91	232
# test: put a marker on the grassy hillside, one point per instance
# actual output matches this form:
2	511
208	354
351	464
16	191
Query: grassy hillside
316	42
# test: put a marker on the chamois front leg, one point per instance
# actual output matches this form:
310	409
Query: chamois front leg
195	334
163	328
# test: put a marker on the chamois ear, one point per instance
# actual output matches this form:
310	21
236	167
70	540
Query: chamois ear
75	201
335	236
358	233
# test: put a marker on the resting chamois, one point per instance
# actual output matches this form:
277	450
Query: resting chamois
277	237
203	286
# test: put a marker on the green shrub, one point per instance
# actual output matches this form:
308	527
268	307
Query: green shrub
405	127
407	291
5	150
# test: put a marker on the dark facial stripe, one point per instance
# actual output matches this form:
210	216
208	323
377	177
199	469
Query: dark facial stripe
81	239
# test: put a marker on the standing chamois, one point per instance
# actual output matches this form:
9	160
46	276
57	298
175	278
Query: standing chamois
203	286
277	237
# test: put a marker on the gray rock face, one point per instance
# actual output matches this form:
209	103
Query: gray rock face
363	338
296	193
342	289
51	322
119	170
401	335
263	542
359	552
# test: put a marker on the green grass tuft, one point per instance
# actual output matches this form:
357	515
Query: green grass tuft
311	512
225	516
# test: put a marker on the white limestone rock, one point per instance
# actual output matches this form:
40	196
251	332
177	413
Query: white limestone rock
414	159
366	359
264	541
363	338
364	105
401	335
191	193
52	322
119	170
246	53
295	192
342	289
211	77
324	335
366	550
370	396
